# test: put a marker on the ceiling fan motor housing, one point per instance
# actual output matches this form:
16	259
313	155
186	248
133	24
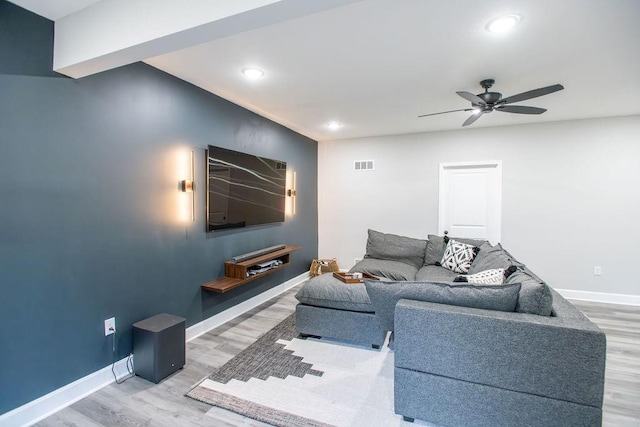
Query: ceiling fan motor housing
490	99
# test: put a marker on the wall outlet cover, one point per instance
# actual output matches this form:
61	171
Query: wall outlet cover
109	326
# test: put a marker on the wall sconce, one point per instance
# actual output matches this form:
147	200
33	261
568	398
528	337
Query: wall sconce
292	193
188	186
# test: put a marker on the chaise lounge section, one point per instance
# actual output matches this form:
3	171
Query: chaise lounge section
329	308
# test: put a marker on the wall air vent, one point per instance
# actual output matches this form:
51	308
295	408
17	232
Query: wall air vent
363	165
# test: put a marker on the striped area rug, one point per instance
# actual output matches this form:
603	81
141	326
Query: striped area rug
287	381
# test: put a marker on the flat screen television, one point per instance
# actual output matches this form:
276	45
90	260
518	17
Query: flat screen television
243	190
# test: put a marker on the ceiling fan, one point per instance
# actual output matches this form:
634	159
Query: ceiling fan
487	102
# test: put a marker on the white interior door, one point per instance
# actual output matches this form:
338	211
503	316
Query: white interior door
470	200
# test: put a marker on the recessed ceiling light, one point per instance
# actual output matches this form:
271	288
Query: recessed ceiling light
334	125
503	23
253	73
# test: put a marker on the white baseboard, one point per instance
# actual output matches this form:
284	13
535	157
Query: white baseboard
49	404
213	322
600	297
37	410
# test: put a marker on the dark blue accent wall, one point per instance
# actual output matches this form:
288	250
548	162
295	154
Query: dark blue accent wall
89	208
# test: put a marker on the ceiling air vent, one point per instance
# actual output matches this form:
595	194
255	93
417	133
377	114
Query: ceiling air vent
363	165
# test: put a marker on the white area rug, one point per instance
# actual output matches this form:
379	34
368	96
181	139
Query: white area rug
288	381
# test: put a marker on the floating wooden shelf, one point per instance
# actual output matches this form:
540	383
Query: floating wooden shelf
236	273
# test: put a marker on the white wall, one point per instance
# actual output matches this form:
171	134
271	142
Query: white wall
570	195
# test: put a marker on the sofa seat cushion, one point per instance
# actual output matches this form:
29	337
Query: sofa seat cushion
394	270
435	273
385	295
396	248
328	292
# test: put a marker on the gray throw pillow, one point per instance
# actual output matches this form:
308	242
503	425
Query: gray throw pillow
535	296
394	270
436	247
490	257
329	292
396	248
385	295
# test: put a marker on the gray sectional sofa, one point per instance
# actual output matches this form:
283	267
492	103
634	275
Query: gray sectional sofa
465	353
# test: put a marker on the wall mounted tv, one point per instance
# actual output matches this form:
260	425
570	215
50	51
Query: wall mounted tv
243	190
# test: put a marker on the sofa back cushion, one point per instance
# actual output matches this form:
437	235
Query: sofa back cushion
534	297
490	257
436	247
396	248
384	296
435	273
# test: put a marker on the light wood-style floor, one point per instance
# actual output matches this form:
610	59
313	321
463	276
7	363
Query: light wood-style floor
138	402
621	324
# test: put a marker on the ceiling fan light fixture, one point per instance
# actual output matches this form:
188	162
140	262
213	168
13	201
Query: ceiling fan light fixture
503	23
253	73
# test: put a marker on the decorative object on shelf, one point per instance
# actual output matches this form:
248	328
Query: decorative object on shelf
263	266
188	186
321	266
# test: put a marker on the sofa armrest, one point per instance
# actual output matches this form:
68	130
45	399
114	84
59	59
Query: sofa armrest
560	357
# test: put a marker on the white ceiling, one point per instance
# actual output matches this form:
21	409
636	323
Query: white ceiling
54	9
375	65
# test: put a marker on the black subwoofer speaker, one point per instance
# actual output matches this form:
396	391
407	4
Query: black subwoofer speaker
158	346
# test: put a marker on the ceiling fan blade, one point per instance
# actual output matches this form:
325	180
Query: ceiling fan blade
520	109
473	118
475	99
445	112
532	94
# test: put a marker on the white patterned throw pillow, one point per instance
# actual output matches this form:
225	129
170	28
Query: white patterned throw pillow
458	256
494	276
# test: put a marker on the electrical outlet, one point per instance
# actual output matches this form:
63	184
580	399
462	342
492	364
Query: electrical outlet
597	270
110	326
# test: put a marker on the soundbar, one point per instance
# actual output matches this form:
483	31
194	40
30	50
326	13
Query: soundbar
239	258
